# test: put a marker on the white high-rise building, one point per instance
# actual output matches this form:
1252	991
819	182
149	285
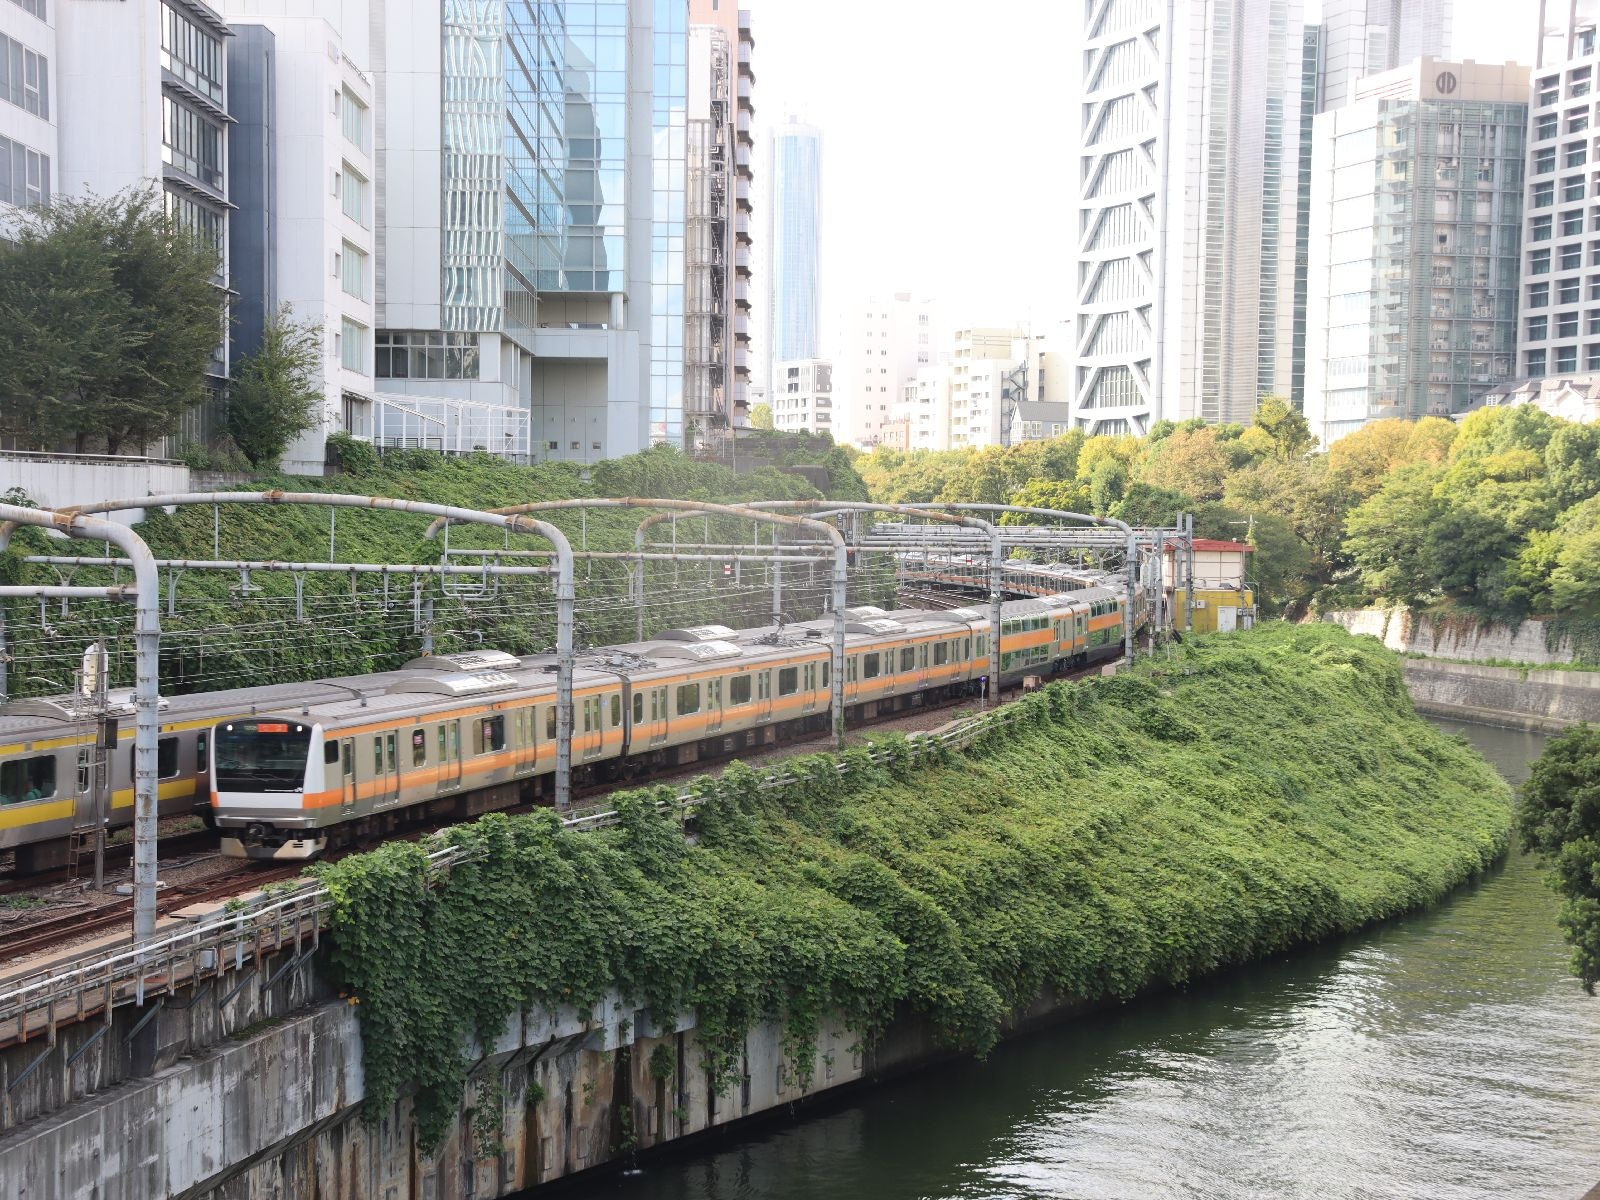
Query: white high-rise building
302	228
803	401
1369	37
28	103
1186	210
883	340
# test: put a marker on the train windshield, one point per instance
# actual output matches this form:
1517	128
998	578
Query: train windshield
261	756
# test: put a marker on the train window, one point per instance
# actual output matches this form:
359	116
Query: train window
811	677
908	659
550	723
788	680
763	685
638	707
850	669
941	653
202	743
588	714
24	779
739	689
330	751
827	673
419	748
488	735
85	762
388	742
688	698
869	665
443	756
166	758
349	762
713	693
922	656
616	711
377	755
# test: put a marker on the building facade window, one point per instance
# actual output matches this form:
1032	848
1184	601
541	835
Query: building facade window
352	345
196	218
1567	325
24	175
1566	359
24	78
353	271
1538	328
35	7
353	195
190	142
404	354
353	119
192	53
1534	362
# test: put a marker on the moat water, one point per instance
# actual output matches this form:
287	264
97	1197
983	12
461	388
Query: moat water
1446	1055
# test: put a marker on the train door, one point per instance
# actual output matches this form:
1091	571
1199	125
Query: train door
713	705
526	741
590	737
449	754
808	690
763	695
347	769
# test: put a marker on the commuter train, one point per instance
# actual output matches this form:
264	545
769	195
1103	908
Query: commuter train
281	770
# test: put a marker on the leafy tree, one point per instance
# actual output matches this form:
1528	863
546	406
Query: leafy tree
1365	457
1194	462
109	317
1559	820
1121	448
1430	440
1062	495
1146	504
276	394
761	416
1572	463
1287	435
1107	483
1387	535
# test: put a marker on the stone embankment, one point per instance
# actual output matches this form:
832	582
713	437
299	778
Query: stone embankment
1457	668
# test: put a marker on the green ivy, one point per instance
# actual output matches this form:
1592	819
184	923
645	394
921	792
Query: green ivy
1244	796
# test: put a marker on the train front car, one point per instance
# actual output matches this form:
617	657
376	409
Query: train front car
261	770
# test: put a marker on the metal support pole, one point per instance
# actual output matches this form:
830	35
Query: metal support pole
566	603
147	651
1188	591
841	586
5	657
996	598
777	592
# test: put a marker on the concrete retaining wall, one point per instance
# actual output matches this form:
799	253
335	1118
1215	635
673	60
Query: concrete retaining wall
51	480
1541	700
276	1110
1417	633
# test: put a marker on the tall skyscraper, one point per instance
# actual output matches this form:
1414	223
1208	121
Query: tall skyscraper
1560	317
1187	210
717	238
1369	37
1416	209
794	213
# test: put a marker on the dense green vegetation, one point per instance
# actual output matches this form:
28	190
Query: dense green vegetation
1559	820
1245	795
224	634
109	315
1497	517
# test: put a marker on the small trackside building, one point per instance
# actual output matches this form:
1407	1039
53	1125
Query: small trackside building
1224	599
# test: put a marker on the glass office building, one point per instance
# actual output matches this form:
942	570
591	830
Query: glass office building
795	212
1416	212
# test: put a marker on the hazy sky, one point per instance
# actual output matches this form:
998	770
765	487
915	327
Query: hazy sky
947	143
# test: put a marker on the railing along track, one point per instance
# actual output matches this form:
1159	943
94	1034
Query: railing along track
63	994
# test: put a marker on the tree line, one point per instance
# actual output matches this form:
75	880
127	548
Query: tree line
112	317
1497	515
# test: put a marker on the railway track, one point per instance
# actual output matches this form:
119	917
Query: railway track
34	936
